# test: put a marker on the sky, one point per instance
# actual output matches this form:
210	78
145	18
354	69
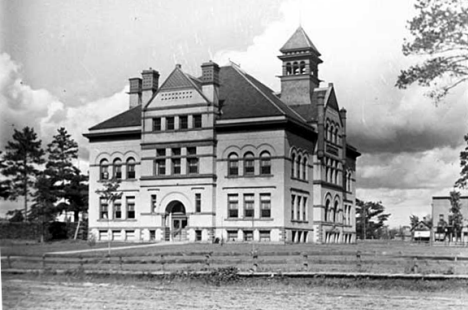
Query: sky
67	64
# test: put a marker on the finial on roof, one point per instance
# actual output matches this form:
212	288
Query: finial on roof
179	66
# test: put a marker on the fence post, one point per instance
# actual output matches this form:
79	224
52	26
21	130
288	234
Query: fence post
305	263
415	265
255	260
207	259
358	260
43	261
81	261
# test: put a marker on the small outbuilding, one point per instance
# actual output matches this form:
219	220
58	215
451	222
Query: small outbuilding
421	232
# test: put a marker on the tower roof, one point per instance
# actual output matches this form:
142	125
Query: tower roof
299	41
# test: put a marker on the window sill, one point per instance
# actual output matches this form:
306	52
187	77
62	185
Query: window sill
117	220
250	176
248	219
299	222
300	180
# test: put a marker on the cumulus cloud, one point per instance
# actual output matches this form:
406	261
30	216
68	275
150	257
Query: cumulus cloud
23	106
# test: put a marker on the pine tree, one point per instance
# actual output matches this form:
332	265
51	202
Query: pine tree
439	32
370	218
21	160
76	193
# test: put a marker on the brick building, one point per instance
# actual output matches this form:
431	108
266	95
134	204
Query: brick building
223	156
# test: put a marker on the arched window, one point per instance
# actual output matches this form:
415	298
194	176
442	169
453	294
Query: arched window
302	67
104	169
298	167
332	129
337	173
335	212
293	165
233	164
337	135
117	169
288	69
265	163
249	164
304	168
130	168
327	210
326	132
295	68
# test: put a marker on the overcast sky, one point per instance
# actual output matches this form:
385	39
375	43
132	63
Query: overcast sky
67	63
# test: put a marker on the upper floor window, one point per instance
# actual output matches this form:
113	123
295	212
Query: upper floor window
192	165
233	206
183	122
293	165
176	166
265	205
197	121
295	68
117	169
288	69
302	67
103	208
249	164
327	210
170	125
104	169
130	207
305	169
157	124
160	167
198	202
118	209
233	165
298	167
130	168
265	163
249	205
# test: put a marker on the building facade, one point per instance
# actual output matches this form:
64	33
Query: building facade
223	156
442	219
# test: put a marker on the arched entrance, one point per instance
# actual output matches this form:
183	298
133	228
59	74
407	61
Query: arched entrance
175	220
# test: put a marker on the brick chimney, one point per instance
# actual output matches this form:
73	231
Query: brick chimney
149	85
135	92
210	81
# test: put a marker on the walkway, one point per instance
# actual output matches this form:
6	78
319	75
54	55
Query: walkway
119	248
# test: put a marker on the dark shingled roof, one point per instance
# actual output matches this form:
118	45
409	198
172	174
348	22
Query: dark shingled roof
299	41
244	97
128	118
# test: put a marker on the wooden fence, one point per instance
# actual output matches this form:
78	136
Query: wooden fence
254	261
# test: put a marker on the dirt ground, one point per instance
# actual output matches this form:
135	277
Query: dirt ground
20	292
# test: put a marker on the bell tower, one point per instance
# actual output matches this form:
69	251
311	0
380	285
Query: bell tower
300	69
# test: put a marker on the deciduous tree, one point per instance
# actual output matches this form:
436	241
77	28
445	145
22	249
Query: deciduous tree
439	33
21	160
456	219
370	218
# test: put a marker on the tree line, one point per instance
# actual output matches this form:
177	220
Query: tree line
47	180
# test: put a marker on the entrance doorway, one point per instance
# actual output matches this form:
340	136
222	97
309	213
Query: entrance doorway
175	222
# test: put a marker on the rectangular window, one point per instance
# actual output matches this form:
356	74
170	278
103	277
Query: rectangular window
197	121
176	166
265	205
265	235
249	205
233	206
198	203
192	165
117	171
160	167
248	235
170	123
152	234
130	235
118	209
265	165
198	235
103	209
298	207
176	151
154	203
103	235
183	122
293	204
232	235
304	209
157	124
160	152
117	235
191	151
130	207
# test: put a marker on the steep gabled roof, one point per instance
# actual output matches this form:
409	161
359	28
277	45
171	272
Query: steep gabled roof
128	118
299	41
176	80
243	96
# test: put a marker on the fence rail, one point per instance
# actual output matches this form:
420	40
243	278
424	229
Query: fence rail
344	261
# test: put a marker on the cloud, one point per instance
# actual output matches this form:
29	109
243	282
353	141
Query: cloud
23	106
